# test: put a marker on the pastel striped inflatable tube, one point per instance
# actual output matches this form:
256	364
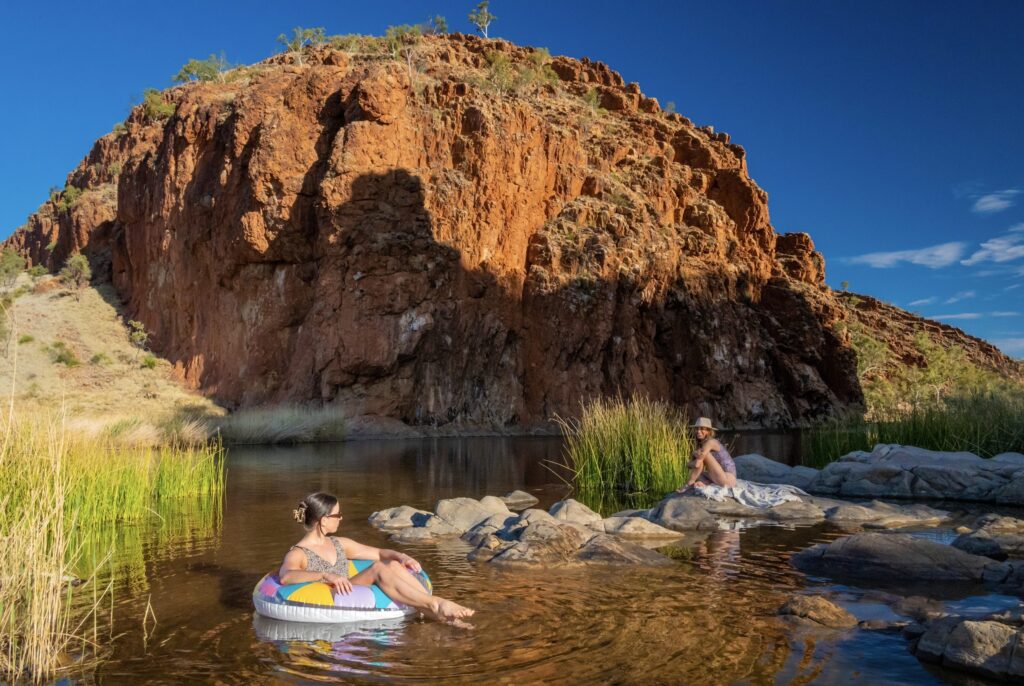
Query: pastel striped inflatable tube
315	601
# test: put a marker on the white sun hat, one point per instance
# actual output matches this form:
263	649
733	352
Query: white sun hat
703	423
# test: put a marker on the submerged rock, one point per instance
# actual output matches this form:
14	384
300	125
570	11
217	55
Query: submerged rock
818	610
887	557
632	527
994	536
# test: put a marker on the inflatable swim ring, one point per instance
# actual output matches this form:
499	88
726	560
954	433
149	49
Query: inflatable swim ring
315	601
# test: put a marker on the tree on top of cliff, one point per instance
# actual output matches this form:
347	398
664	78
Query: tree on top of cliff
481	18
436	26
301	38
210	69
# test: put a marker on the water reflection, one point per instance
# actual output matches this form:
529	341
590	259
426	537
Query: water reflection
708	619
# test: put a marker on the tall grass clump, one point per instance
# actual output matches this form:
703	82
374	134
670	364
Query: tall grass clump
58	490
282	424
627	447
985	424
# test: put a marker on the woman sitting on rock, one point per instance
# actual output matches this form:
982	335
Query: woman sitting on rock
310	560
712	463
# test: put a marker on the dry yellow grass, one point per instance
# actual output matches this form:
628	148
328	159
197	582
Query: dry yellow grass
109	389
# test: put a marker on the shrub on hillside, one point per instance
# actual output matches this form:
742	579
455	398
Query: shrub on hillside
25	338
11	265
149	361
302	38
69	197
137	334
62	354
76	272
210	69
155	106
37	271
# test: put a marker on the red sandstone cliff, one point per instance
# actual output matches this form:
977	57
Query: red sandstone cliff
408	240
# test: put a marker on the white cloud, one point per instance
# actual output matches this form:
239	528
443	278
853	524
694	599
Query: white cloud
1011	287
1010	346
936	256
1006	314
995	202
962	315
962	295
922	301
1009	246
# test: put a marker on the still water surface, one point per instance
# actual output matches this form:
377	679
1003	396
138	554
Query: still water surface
709	619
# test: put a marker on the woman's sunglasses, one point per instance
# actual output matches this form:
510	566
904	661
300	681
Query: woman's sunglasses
334	516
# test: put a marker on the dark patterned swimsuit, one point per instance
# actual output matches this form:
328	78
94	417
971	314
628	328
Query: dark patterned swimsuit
315	563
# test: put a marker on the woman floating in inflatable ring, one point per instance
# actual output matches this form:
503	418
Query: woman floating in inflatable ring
391	571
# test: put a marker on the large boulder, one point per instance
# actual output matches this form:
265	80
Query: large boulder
993	649
463	514
885	557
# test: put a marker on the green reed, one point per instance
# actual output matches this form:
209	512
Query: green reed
627	446
985	424
58	492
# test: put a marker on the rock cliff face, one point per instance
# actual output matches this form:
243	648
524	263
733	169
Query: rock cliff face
426	240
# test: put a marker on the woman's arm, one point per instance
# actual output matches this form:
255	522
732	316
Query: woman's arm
293	571
358	551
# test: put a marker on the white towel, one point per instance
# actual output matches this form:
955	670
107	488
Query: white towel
752	494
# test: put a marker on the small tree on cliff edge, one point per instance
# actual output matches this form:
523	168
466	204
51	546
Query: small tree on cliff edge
76	273
301	38
481	17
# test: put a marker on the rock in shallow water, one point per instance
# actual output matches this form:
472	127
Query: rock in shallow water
818	610
990	648
519	500
887	557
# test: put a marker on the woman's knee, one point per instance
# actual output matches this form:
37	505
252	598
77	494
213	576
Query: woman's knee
387	566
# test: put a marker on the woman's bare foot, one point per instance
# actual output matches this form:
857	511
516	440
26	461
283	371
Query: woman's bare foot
449	612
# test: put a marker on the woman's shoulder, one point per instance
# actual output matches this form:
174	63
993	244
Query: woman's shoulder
714	444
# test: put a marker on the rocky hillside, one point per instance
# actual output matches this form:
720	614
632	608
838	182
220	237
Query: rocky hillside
473	234
897	330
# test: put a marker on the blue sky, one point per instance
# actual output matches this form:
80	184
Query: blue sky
890	131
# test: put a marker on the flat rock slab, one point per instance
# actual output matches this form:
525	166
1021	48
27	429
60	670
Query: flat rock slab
895	471
885	557
763	470
632	527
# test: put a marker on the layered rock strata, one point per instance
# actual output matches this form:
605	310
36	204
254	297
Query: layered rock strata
420	240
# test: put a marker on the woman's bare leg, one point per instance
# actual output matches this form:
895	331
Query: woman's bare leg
400	585
715	473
